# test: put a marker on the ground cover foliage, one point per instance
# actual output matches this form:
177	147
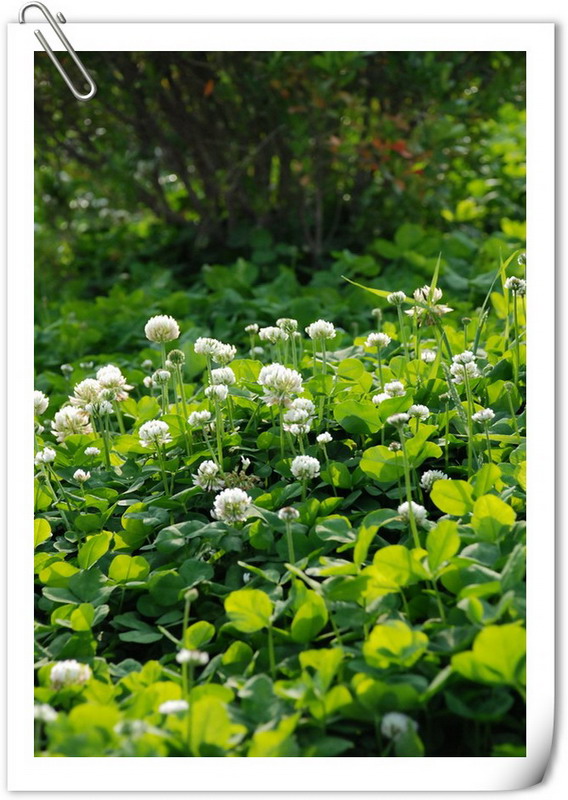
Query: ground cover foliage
359	592
323	558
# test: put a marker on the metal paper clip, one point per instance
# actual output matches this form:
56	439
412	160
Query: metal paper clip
65	42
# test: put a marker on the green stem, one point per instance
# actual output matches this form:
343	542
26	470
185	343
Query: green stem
403	338
162	469
517	350
219	431
488	441
271	657
119	418
381	382
106	446
413	526
513	415
290	541
441	609
469	421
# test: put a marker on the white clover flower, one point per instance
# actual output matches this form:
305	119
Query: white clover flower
223	375
379	340
394	447
86	364
147	364
396	298
66	369
273	335
149	382
197	419
419	412
288	514
288	325
422	295
398	420
377	399
376	312
81	476
430	477
428	356
485	415
279	384
245	462
39	428
153	433
85	393
131	728
324	438
173	707
460	371
467	357
320	329
69	420
41	402
110	377
197	657
305	468
161	376
395	389
217	392
44	712
516	285
257	351
304	404
252	328
45	456
161	328
231	505
297	421
208	477
69	673
92	451
394	725
418	512
206	346
224	354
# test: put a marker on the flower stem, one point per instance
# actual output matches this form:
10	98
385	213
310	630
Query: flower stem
469	422
404	340
219	431
290	541
517	350
381	382
119	418
163	469
413	526
271	657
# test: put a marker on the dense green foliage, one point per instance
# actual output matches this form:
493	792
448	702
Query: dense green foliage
383	590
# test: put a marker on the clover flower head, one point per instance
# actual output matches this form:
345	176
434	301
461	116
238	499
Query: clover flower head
110	377
305	468
394	447
206	346
398	420
516	285
132	728
377	313
467	357
149	382
297	421
161	376
197	419
224	354
85	393
154	433
177	357
208	477
419	412
217	392
147	364
81	476
430	308
288	325
41	402
377	399
395	389
66	369
425	295
231	505
485	415
223	375
394	725
92	451
161	328
279	384
304	404
69	673
44	712
252	328
45	456
464	371
257	351
320	329
197	657
273	334
324	438
418	512
396	298
428	356
173	707
288	514
378	340
69	420
430	477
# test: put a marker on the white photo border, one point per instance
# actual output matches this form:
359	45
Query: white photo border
239	774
